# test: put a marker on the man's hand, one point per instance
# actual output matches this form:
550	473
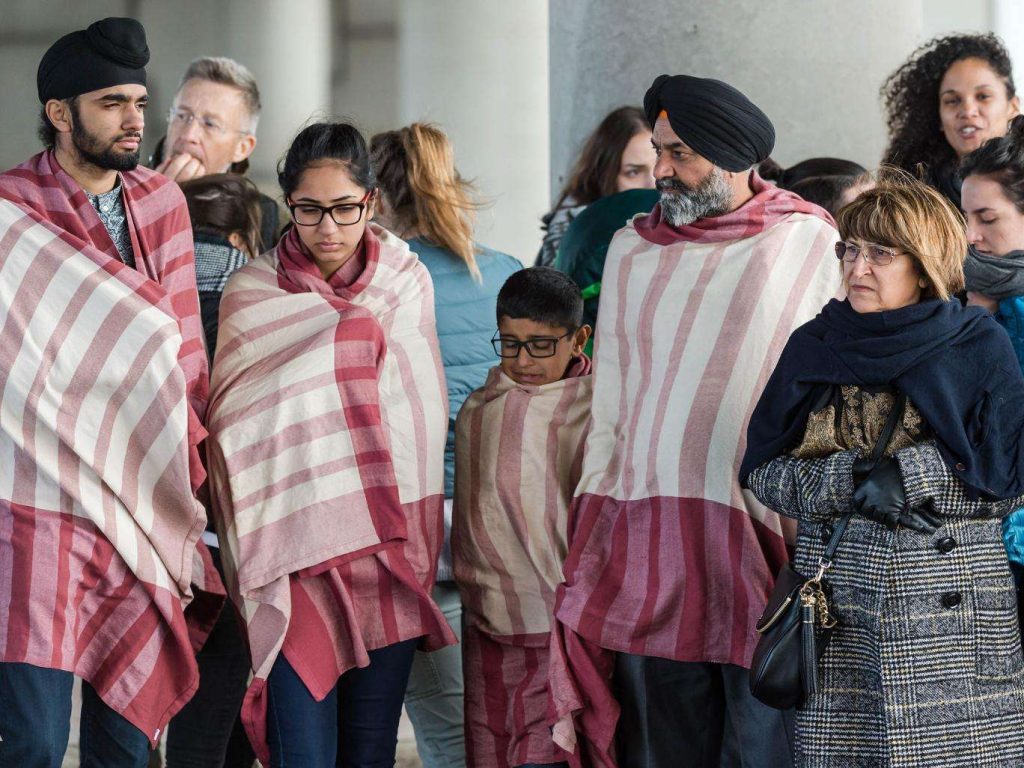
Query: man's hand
181	167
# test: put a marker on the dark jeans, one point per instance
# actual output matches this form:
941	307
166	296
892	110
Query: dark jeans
355	726
689	715
35	722
200	734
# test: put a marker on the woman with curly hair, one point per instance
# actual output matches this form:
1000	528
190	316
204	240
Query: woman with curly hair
951	96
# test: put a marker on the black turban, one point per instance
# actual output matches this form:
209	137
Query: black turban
110	52
714	119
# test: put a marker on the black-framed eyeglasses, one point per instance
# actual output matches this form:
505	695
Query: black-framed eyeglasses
875	255
343	214
538	346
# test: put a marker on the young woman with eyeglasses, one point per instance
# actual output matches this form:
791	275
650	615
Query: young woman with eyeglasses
327	432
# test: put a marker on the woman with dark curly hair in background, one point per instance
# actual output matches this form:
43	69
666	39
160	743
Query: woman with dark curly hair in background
951	96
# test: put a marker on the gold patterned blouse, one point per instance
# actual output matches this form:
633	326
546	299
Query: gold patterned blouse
862	415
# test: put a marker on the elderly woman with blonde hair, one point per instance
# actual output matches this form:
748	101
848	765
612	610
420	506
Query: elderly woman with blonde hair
924	666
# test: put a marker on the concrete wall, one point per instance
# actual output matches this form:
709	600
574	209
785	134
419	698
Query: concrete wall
814	67
480	69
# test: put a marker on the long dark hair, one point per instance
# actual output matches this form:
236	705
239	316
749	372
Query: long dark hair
223	203
1003	159
785	178
597	168
326	141
911	97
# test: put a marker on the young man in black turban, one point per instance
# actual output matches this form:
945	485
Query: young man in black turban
671	561
103	380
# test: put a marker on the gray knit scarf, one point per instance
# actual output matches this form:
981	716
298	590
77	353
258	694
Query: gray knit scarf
998	277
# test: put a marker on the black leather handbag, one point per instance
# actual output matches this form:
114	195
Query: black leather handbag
796	624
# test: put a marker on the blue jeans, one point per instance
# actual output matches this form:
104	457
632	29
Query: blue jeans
355	726
35	723
434	697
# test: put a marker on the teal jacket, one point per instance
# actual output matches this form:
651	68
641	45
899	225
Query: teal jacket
1011	317
465	325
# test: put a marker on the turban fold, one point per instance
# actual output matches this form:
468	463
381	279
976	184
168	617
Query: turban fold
714	119
110	52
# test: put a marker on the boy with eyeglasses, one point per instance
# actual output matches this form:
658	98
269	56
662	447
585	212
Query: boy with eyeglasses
518	452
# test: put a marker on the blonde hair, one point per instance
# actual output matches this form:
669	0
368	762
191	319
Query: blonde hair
415	169
904	213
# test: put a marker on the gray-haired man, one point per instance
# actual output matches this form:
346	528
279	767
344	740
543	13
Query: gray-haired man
212	128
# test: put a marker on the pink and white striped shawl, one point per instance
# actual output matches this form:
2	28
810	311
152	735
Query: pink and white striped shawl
327	427
518	454
668	555
100	386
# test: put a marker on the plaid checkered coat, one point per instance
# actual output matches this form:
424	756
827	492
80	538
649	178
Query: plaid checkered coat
925	668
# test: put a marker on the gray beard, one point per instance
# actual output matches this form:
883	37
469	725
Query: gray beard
682	205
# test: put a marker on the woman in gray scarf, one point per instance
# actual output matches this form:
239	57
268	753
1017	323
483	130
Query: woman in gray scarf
993	200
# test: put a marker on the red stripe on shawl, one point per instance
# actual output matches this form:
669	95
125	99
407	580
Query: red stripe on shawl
63	581
769	206
480	534
668	259
507	702
160	226
624	342
161	236
144	669
687	606
21	554
584	712
694	301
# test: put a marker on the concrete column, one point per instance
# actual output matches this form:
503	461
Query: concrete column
814	67
1008	23
287	46
480	69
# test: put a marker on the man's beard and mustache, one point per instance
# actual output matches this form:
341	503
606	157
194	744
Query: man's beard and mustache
103	154
682	204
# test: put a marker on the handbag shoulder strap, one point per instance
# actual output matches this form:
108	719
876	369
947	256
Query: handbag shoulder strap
895	415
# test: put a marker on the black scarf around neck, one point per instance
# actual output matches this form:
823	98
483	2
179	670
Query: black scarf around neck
955	364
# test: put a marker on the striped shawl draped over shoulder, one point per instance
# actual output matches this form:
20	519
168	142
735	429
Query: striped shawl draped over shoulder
328	420
104	380
519	450
668	555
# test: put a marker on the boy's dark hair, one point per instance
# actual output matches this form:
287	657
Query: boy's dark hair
544	295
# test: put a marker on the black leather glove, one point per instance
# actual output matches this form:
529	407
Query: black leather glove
879	496
924	519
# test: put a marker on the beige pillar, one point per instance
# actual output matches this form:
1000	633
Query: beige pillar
480	69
